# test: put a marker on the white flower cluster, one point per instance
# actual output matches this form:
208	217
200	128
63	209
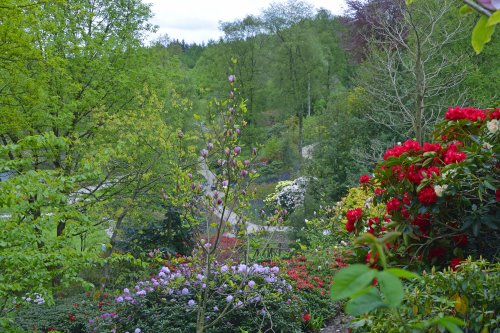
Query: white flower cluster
292	196
36	298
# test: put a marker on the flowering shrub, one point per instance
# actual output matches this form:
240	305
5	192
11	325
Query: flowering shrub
288	194
441	194
248	297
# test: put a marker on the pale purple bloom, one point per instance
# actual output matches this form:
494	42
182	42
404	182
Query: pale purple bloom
229	298
210	146
126	291
225	183
191	302
141	293
490	4
216	308
244	173
231	78
137	330
227	151
204	153
237	150
251	283
224	268
119	299
190	176
185	291
237	131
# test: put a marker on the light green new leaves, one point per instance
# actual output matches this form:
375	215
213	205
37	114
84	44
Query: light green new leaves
481	34
355	282
351	280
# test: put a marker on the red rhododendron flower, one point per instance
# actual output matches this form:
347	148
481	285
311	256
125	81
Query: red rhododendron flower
306	317
407	198
430	171
497	194
349	226
364	179
458	113
412	145
427	195
432	147
461	240
413	174
423	222
379	191
495	114
397	172
454	263
437	252
452	156
354	214
394	204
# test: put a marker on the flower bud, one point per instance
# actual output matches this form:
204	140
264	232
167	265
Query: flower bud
237	150
244	173
231	78
210	146
204	153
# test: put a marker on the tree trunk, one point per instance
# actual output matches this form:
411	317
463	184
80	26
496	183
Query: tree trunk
419	94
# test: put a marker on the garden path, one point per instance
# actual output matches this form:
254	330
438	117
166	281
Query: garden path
232	217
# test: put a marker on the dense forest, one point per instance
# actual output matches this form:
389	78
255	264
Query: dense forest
117	151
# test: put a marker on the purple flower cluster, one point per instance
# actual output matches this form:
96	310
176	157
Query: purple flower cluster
188	282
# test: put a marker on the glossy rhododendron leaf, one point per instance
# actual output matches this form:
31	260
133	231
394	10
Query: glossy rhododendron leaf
351	280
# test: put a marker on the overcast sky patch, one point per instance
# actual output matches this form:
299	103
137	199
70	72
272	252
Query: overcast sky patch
198	20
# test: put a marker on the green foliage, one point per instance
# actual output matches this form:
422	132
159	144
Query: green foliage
70	314
448	299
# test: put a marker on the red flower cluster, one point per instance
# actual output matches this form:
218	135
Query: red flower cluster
398	150
352	216
393	205
458	113
423	222
427	195
454	263
452	156
364	179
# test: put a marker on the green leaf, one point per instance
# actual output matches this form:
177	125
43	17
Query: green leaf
390	237
402	273
451	324
494	19
366	238
481	34
391	287
366	302
465	10
351	280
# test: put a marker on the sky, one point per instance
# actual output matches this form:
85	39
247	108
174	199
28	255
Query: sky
198	20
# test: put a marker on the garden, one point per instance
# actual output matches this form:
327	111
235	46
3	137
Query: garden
165	214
